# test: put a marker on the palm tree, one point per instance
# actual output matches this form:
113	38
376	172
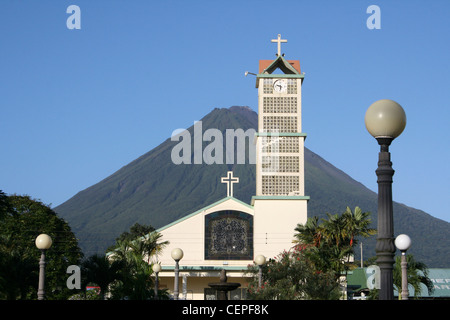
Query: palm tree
333	229
357	224
150	245
309	233
332	240
417	273
136	255
100	270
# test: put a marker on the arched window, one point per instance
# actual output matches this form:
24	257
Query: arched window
229	235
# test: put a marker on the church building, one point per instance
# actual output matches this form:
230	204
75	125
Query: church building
229	233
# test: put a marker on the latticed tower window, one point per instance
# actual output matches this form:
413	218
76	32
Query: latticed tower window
268	86
275	163
280	104
280	144
280	123
292	86
280	185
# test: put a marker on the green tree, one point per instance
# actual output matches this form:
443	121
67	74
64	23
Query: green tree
4	206
136	280
99	270
17	269
332	241
23	219
417	273
136	231
292	276
357	224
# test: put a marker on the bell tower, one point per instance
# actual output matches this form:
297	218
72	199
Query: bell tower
280	202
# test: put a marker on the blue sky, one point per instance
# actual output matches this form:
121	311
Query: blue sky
77	105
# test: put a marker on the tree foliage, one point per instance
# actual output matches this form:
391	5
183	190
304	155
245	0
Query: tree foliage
417	274
22	219
136	231
98	270
292	276
332	241
126	272
312	268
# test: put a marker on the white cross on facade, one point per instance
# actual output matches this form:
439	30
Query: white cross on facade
229	180
279	40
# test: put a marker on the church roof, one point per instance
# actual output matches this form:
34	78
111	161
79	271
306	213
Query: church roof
209	207
287	66
291	69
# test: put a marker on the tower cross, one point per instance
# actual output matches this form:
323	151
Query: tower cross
229	180
279	41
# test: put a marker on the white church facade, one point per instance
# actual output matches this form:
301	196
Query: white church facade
229	233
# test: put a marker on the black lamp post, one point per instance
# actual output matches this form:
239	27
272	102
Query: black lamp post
385	120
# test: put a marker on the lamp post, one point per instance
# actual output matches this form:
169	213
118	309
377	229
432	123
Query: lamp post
156	269
385	120
177	255
260	260
43	243
403	243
